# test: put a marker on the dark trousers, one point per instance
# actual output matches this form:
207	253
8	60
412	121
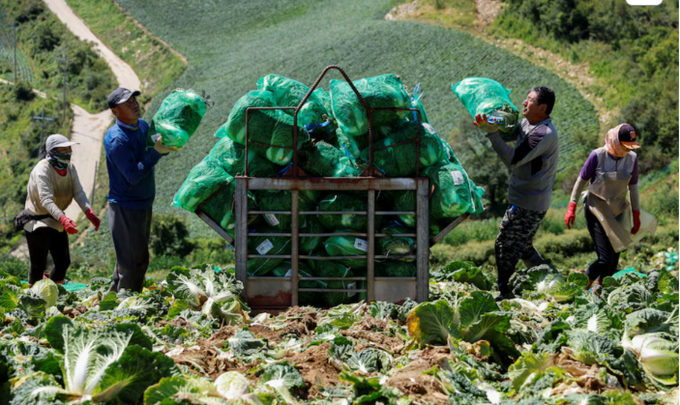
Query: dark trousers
607	259
41	242
130	231
515	241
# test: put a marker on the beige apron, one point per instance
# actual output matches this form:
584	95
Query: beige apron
606	199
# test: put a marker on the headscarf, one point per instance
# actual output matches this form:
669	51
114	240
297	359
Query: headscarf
57	159
612	144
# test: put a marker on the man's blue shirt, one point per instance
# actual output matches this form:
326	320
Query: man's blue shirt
130	165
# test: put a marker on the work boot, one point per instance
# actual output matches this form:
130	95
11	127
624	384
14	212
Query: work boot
504	295
535	260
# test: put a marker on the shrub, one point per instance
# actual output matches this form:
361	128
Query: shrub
169	236
13	266
23	91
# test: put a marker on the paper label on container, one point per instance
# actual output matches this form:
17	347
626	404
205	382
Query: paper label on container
458	178
361	244
289	273
271	219
429	128
352	286
264	247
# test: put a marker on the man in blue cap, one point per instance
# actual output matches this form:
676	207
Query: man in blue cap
130	158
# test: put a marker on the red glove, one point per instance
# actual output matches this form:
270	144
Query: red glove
69	225
570	216
636	222
93	218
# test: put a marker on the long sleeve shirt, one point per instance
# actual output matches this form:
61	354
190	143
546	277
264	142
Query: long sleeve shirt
532	164
50	193
130	165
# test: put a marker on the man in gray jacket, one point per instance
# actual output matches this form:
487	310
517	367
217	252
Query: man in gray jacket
533	165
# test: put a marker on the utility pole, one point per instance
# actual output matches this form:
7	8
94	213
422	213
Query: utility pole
15	26
64	61
42	120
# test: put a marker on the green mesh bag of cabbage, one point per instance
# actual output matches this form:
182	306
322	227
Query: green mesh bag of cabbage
221	208
231	156
344	202
289	93
178	117
265	246
202	181
452	196
400	160
325	160
386	91
486	96
265	127
278	200
347	246
396	247
395	268
331	268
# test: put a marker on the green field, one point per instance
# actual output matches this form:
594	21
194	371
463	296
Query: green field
229	45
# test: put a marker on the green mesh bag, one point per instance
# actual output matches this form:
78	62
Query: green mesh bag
451	197
486	96
266	245
277	200
395	246
221	208
289	93
405	201
378	92
285	269
202	181
351	146
310	224
231	156
178	117
395	268
266	127
477	207
400	160
325	160
343	202
327	268
347	246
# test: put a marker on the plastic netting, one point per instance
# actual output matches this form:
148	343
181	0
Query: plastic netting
400	160
395	246
277	200
349	145
325	160
343	202
231	156
379	92
178	117
266	245
202	181
327	268
289	93
395	269
451	197
221	208
405	201
347	246
310	224
481	95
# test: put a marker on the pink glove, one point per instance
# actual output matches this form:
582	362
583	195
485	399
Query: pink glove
636	222
93	218
570	216
69	225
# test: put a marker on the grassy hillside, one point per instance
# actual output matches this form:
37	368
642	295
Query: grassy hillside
299	38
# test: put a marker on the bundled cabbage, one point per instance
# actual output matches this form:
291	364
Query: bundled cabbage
178	117
395	246
202	181
327	268
266	245
325	160
289	93
221	207
347	246
343	202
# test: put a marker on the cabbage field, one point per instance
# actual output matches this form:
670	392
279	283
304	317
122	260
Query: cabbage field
190	340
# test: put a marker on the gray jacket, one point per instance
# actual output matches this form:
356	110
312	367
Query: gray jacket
532	163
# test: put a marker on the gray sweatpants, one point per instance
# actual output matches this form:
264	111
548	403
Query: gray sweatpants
130	231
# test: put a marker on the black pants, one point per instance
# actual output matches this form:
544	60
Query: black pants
607	258
47	240
130	231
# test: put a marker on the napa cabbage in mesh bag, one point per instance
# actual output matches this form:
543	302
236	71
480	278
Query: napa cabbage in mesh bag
395	246
328	268
395	268
451	197
351	146
378	92
310	224
281	200
289	93
266	245
481	95
231	156
343	202
202	181
347	246
178	117
325	160
221	208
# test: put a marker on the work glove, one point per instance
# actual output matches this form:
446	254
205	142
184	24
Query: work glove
69	225
570	216
636	222
93	218
482	123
